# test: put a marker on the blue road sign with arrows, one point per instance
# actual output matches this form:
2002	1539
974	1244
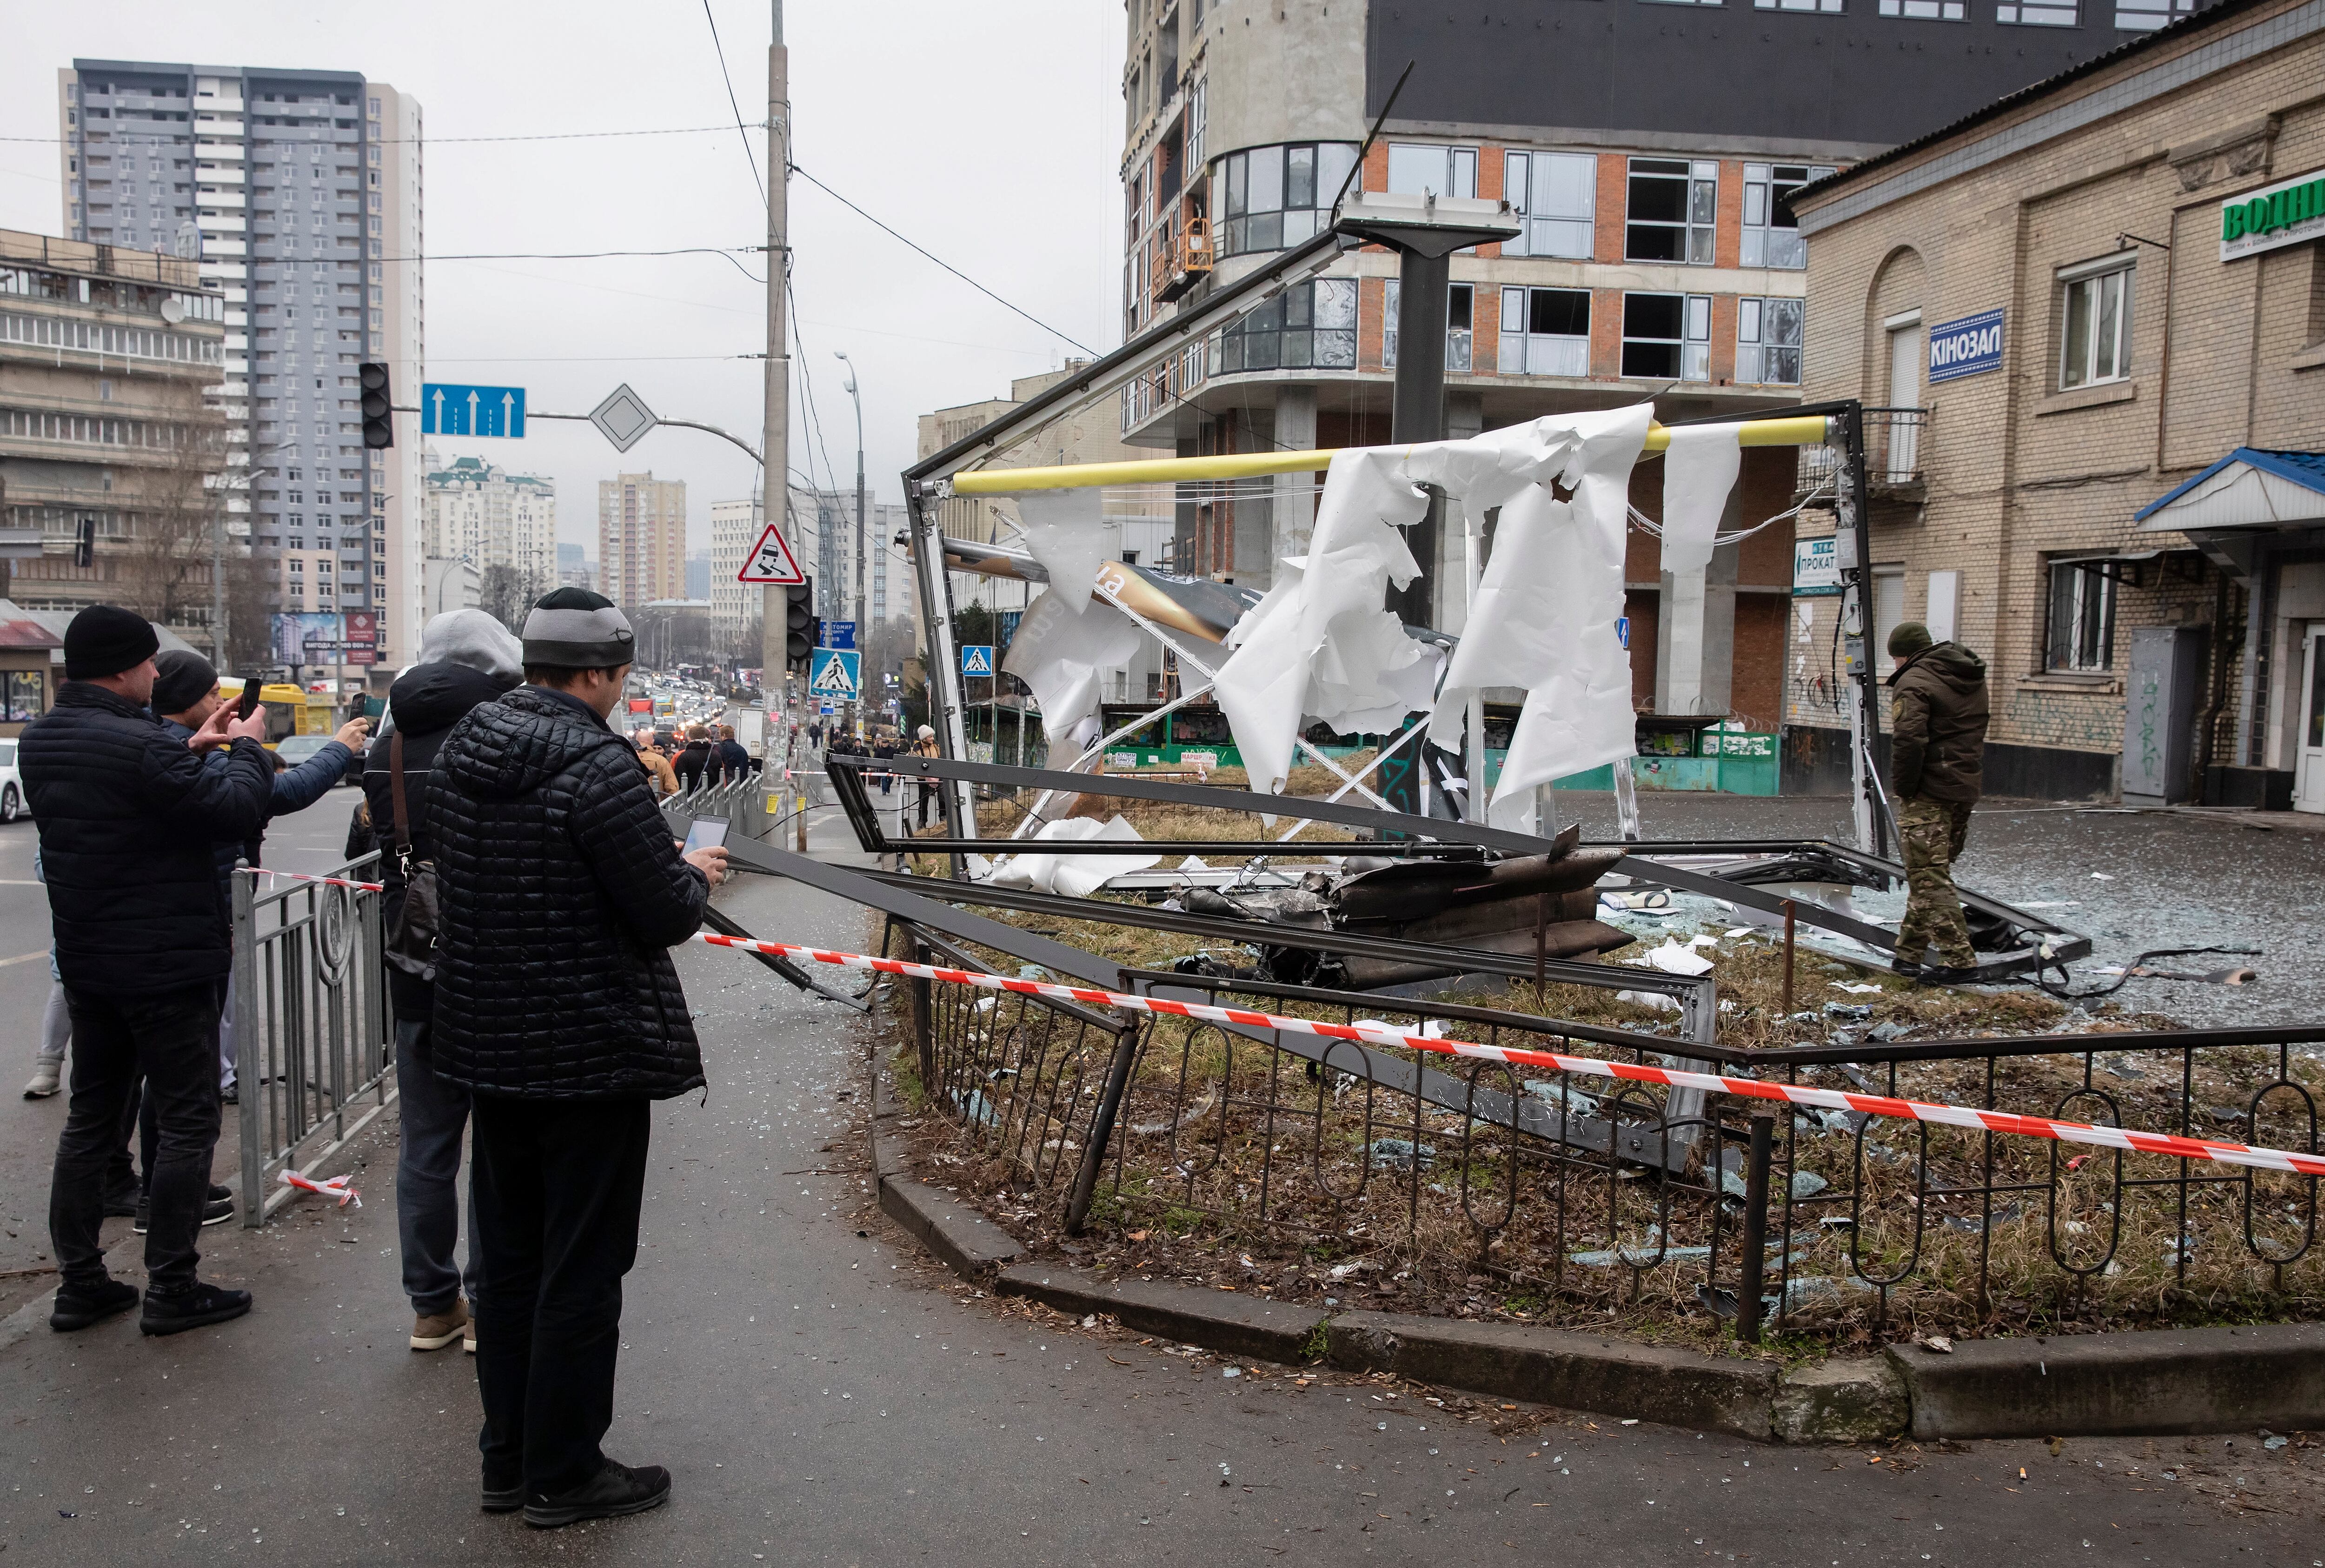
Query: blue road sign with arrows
457	409
831	674
976	659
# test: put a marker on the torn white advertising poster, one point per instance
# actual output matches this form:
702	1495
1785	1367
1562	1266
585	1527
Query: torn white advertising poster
1075	875
1699	474
1546	609
1058	651
1067	535
1321	644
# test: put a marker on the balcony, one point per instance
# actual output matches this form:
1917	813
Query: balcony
1896	449
1186	261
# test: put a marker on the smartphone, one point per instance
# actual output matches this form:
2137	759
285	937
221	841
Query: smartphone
706	834
248	703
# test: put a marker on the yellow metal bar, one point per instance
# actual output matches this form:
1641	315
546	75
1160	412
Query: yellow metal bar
1806	430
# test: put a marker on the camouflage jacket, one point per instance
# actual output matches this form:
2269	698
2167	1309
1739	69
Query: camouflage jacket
1937	725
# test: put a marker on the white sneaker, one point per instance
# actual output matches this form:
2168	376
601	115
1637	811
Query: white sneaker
45	1082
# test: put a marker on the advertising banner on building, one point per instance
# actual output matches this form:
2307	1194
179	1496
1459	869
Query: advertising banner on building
1815	569
1967	347
2278	215
297	632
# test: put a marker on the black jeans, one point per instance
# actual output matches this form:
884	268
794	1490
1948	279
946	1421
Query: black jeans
428	1176
557	1186
171	1039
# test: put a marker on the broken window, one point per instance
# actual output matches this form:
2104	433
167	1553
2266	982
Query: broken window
1768	342
1310	326
2082	617
1673	204
1772	234
1545	332
1555	197
2142	15
1461	312
1667	336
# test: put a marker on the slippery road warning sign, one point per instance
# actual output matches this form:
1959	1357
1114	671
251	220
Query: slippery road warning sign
771	560
831	674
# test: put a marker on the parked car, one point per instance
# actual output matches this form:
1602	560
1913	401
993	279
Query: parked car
11	783
294	751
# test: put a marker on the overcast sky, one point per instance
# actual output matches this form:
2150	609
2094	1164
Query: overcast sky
989	133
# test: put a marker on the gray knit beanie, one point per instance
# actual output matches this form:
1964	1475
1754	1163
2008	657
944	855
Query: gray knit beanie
579	630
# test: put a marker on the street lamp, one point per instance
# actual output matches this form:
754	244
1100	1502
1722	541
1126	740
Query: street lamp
863	630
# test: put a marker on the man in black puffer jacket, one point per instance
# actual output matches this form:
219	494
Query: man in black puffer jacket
127	816
559	1009
467	659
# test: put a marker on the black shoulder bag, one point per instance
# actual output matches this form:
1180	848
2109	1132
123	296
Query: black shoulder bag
412	939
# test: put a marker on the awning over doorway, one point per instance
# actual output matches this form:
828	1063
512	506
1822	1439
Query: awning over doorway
2249	488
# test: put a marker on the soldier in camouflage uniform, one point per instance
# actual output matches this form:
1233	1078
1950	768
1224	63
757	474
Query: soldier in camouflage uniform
1937	716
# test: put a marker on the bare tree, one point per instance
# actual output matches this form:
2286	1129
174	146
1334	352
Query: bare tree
505	593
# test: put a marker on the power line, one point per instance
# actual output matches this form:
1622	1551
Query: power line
724	76
947	266
116	139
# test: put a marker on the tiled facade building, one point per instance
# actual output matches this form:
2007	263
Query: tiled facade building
299	194
1650	150
641	539
2104	302
491	517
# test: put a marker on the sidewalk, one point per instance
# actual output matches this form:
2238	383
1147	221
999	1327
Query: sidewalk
822	1399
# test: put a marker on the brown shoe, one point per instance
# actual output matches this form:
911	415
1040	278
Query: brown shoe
434	1330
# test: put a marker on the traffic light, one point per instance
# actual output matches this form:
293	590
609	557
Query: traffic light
801	630
378	415
84	543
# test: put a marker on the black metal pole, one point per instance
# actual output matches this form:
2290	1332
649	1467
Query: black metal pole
1418	412
1101	1129
1857	514
1755	1227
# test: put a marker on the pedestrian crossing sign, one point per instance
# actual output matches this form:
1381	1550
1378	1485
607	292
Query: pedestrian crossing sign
831	674
976	659
771	561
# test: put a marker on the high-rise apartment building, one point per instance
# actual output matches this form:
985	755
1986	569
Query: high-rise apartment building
640	538
492	517
735	607
298	193
1648	150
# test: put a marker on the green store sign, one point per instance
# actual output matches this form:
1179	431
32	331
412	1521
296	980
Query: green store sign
2281	215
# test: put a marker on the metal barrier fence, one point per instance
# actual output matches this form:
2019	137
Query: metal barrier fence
1624	1197
311	1023
739	801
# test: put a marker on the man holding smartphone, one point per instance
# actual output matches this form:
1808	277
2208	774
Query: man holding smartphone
559	1010
127	815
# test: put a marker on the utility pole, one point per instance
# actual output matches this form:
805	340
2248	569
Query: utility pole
863	630
775	432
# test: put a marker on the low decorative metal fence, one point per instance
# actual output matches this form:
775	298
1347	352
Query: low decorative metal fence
311	1024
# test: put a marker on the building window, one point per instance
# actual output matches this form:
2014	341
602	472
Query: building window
2082	617
1772	234
1424	170
1555	195
26	700
2050	15
1768	342
2146	15
1461	314
1667	336
2095	336
1829	7
1311	326
1673	204
1274	197
1925	10
1545	332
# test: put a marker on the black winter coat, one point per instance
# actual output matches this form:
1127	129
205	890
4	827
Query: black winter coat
128	817
691	766
563	893
425	701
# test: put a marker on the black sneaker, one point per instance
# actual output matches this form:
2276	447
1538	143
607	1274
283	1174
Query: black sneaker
502	1499
121	1201
216	1210
614	1490
197	1308
81	1306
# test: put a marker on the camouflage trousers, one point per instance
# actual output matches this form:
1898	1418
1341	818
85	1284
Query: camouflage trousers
1933	833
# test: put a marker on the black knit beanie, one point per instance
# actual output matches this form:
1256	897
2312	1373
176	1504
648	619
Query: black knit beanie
183	678
105	640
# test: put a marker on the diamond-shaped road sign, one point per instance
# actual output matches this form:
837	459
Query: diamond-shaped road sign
771	561
624	418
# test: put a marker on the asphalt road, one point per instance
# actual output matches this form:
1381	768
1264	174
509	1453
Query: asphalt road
824	1397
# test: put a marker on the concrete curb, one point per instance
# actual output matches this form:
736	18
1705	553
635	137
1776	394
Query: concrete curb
1224	1320
2077	1386
2155	1382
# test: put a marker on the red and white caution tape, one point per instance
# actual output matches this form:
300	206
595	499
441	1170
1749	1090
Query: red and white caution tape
339	1187
2073	1132
302	877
